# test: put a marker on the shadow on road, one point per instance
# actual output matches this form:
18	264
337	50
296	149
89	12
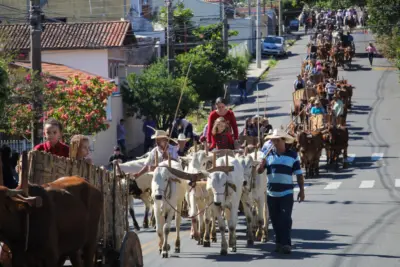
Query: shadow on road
303	239
358	67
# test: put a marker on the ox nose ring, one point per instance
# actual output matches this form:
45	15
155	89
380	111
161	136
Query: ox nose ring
158	197
217	204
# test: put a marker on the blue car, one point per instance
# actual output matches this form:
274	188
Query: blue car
294	25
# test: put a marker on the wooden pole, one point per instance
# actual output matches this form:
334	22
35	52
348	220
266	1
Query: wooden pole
169	160
195	146
24	173
206	147
226	159
214	160
156	159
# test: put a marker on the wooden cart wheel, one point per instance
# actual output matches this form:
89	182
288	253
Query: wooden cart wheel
131	251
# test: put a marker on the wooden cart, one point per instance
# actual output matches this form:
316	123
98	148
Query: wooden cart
300	97
118	246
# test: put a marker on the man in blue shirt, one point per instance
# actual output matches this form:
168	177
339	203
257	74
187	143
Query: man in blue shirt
281	164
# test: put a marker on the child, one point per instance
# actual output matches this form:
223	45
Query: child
53	132
221	137
80	148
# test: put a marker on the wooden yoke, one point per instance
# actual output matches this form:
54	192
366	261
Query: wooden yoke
225	168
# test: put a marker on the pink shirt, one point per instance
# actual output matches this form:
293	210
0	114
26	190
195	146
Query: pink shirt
371	49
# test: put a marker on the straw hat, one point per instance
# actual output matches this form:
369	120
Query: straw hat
160	134
182	137
312	99
278	133
317	102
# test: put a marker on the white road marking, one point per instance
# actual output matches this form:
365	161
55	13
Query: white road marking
397	183
323	158
367	184
333	185
376	156
350	158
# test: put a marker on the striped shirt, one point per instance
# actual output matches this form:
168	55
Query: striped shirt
280	171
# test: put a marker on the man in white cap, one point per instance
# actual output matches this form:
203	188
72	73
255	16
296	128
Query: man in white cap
330	89
163	148
182	147
281	164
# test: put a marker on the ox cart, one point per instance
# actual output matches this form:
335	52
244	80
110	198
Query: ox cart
117	245
300	100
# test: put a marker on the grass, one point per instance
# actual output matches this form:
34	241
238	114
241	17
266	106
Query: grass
199	119
291	42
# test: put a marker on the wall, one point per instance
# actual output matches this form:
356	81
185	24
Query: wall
92	61
104	142
199	8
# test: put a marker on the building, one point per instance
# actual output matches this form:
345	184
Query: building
98	48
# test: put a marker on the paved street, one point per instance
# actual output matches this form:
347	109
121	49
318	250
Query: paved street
350	218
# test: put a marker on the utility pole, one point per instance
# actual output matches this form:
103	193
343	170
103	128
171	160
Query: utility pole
224	21
258	35
249	7
36	61
280	18
170	41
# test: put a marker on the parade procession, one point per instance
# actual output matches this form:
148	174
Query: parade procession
227	196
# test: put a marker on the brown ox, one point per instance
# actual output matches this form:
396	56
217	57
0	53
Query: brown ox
310	146
64	225
321	90
336	141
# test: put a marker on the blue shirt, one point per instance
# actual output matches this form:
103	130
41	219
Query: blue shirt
315	110
280	171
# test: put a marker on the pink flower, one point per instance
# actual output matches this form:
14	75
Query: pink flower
28	78
64	116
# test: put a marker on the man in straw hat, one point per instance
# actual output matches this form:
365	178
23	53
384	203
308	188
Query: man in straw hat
182	144
163	148
281	164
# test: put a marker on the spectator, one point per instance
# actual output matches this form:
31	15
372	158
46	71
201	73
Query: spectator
121	136
117	155
221	136
8	177
182	126
242	86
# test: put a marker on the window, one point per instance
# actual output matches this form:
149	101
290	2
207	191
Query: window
273	40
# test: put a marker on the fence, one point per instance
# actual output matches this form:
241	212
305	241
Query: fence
240	50
17	145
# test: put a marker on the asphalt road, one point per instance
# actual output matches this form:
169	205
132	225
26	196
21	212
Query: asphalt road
351	217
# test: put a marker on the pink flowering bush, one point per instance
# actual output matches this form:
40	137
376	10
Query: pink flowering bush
79	104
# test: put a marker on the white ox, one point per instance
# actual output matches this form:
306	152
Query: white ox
254	193
226	190
144	184
168	193
198	199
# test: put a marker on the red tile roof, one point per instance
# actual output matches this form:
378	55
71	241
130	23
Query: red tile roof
80	35
57	71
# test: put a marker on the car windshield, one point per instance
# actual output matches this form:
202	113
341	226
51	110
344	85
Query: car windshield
273	40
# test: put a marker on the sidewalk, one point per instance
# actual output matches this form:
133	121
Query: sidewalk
253	77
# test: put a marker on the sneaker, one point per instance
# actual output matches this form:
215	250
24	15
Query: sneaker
278	247
287	249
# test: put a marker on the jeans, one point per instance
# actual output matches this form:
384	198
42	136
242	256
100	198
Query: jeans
243	93
121	144
371	58
280	210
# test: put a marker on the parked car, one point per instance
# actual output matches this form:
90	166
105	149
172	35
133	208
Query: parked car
274	45
294	25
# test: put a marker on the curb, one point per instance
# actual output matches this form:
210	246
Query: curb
257	80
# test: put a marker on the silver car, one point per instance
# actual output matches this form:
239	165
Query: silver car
274	45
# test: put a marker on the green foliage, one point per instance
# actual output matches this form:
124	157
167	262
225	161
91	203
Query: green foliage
156	93
4	88
383	16
182	22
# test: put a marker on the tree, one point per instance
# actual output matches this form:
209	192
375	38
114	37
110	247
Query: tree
383	16
182	22
4	89
155	92
79	103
